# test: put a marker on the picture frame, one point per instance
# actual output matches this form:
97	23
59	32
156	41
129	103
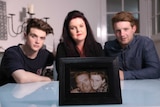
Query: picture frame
72	89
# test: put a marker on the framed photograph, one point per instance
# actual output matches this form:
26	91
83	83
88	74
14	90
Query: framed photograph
89	81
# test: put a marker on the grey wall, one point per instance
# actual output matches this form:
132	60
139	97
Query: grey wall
56	10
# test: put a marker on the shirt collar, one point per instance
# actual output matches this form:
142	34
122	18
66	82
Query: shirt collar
132	42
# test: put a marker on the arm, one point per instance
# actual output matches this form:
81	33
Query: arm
121	75
21	76
16	66
150	64
50	58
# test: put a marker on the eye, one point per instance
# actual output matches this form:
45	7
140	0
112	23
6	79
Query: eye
43	38
125	29
72	27
117	31
32	35
81	25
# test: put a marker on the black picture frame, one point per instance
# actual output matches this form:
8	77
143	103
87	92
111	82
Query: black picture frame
70	65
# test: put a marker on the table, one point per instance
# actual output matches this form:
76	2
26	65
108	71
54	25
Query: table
135	93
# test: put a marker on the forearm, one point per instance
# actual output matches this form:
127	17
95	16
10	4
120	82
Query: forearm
149	64
146	73
27	77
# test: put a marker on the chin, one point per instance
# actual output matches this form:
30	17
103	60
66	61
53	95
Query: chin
35	50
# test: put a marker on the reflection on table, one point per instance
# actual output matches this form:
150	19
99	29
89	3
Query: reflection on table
40	94
135	93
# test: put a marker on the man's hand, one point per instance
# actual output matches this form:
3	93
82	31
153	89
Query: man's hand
121	75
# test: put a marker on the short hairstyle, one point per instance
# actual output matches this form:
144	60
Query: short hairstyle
101	73
39	24
80	73
123	16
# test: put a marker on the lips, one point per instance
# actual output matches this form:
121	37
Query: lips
79	34
123	39
36	46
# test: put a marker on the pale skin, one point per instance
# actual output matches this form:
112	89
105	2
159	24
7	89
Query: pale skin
78	32
34	42
124	33
96	81
83	83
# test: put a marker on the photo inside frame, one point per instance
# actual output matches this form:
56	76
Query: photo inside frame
88	81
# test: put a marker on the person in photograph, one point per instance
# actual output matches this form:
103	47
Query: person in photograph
25	63
98	81
82	82
77	39
138	58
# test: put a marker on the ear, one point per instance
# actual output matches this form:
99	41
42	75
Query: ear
134	28
25	36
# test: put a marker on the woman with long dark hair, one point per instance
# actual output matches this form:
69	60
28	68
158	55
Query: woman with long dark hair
77	38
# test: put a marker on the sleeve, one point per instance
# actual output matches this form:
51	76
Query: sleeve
59	54
11	61
106	49
100	50
151	64
50	58
110	50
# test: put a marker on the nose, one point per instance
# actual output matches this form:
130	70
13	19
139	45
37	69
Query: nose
78	29
122	32
37	40
84	84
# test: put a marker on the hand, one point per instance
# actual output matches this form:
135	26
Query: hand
121	75
48	73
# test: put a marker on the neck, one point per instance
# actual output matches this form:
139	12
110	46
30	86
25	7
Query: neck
28	52
80	46
80	49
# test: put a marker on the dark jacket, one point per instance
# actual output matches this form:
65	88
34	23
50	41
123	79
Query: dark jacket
96	51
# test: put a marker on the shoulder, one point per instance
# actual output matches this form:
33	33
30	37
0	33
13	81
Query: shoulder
12	55
112	44
143	40
98	44
61	50
13	50
61	44
45	52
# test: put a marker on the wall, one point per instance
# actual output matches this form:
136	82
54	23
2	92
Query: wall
156	39
56	10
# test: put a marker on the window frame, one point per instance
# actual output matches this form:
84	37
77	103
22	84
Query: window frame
145	13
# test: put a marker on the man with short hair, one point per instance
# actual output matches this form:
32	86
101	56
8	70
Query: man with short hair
25	63
137	55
